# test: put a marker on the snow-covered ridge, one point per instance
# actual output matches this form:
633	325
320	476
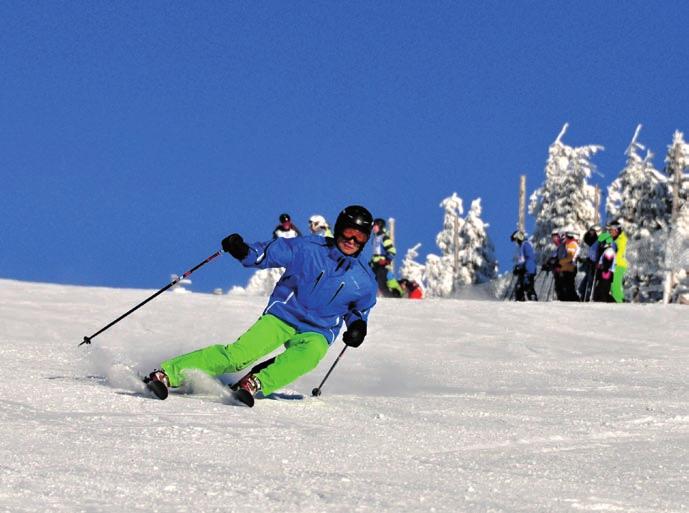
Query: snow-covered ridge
448	406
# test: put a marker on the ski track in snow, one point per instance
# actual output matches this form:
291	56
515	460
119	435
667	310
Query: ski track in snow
448	406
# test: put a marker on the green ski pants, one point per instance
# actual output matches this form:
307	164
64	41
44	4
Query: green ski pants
302	354
617	287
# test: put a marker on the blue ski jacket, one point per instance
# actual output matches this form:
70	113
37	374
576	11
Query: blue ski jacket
527	257
321	287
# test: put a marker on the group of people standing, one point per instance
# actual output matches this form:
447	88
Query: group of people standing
381	262
603	263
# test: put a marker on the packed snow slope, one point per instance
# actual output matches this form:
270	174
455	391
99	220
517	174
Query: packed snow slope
448	406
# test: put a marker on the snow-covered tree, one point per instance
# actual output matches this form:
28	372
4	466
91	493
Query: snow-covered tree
637	198
565	200
476	256
440	270
410	268
438	276
261	283
678	255
676	167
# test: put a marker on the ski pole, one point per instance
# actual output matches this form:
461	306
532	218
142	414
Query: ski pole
317	391
87	340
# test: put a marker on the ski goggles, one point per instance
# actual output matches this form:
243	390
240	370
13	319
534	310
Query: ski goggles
354	235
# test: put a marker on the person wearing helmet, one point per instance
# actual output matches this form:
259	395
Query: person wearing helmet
319	226
381	260
525	270
325	286
605	268
588	262
621	264
552	264
286	228
568	268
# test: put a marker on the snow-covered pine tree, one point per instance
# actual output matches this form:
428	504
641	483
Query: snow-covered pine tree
676	167
261	283
677	159
439	274
477	253
565	200
410	268
637	198
678	255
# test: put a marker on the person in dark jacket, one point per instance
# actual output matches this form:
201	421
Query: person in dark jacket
286	229
588	262
325	286
381	260
525	270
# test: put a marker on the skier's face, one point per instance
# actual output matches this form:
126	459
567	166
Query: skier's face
351	240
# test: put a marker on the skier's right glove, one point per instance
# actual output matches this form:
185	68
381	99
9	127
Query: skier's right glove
355	334
235	246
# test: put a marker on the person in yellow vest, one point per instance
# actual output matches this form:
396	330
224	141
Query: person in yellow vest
381	260
568	268
620	238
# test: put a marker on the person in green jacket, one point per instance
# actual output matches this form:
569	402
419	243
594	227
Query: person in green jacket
620	238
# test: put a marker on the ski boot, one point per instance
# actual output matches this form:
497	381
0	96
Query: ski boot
246	389
158	383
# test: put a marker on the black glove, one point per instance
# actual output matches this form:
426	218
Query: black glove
355	334
235	246
518	269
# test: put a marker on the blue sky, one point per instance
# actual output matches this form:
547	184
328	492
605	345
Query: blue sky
135	135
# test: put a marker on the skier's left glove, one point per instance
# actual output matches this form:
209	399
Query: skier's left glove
355	334
235	246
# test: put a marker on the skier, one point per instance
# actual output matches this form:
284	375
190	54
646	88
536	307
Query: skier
411	288
620	238
319	226
525	270
553	262
286	228
568	267
588	263
324	284
381	261
605	268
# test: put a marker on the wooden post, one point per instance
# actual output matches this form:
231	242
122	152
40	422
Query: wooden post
596	212
522	203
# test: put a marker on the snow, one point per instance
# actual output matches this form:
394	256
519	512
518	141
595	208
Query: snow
449	405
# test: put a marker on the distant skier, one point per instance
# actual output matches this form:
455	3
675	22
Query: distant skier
605	268
588	262
381	261
325	284
568	267
525	270
411	289
620	238
286	229
319	226
553	263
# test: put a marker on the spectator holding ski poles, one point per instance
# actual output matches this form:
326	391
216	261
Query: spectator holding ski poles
325	284
525	270
588	263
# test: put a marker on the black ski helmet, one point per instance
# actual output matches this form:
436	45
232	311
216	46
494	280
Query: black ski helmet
517	236
284	218
379	222
354	216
